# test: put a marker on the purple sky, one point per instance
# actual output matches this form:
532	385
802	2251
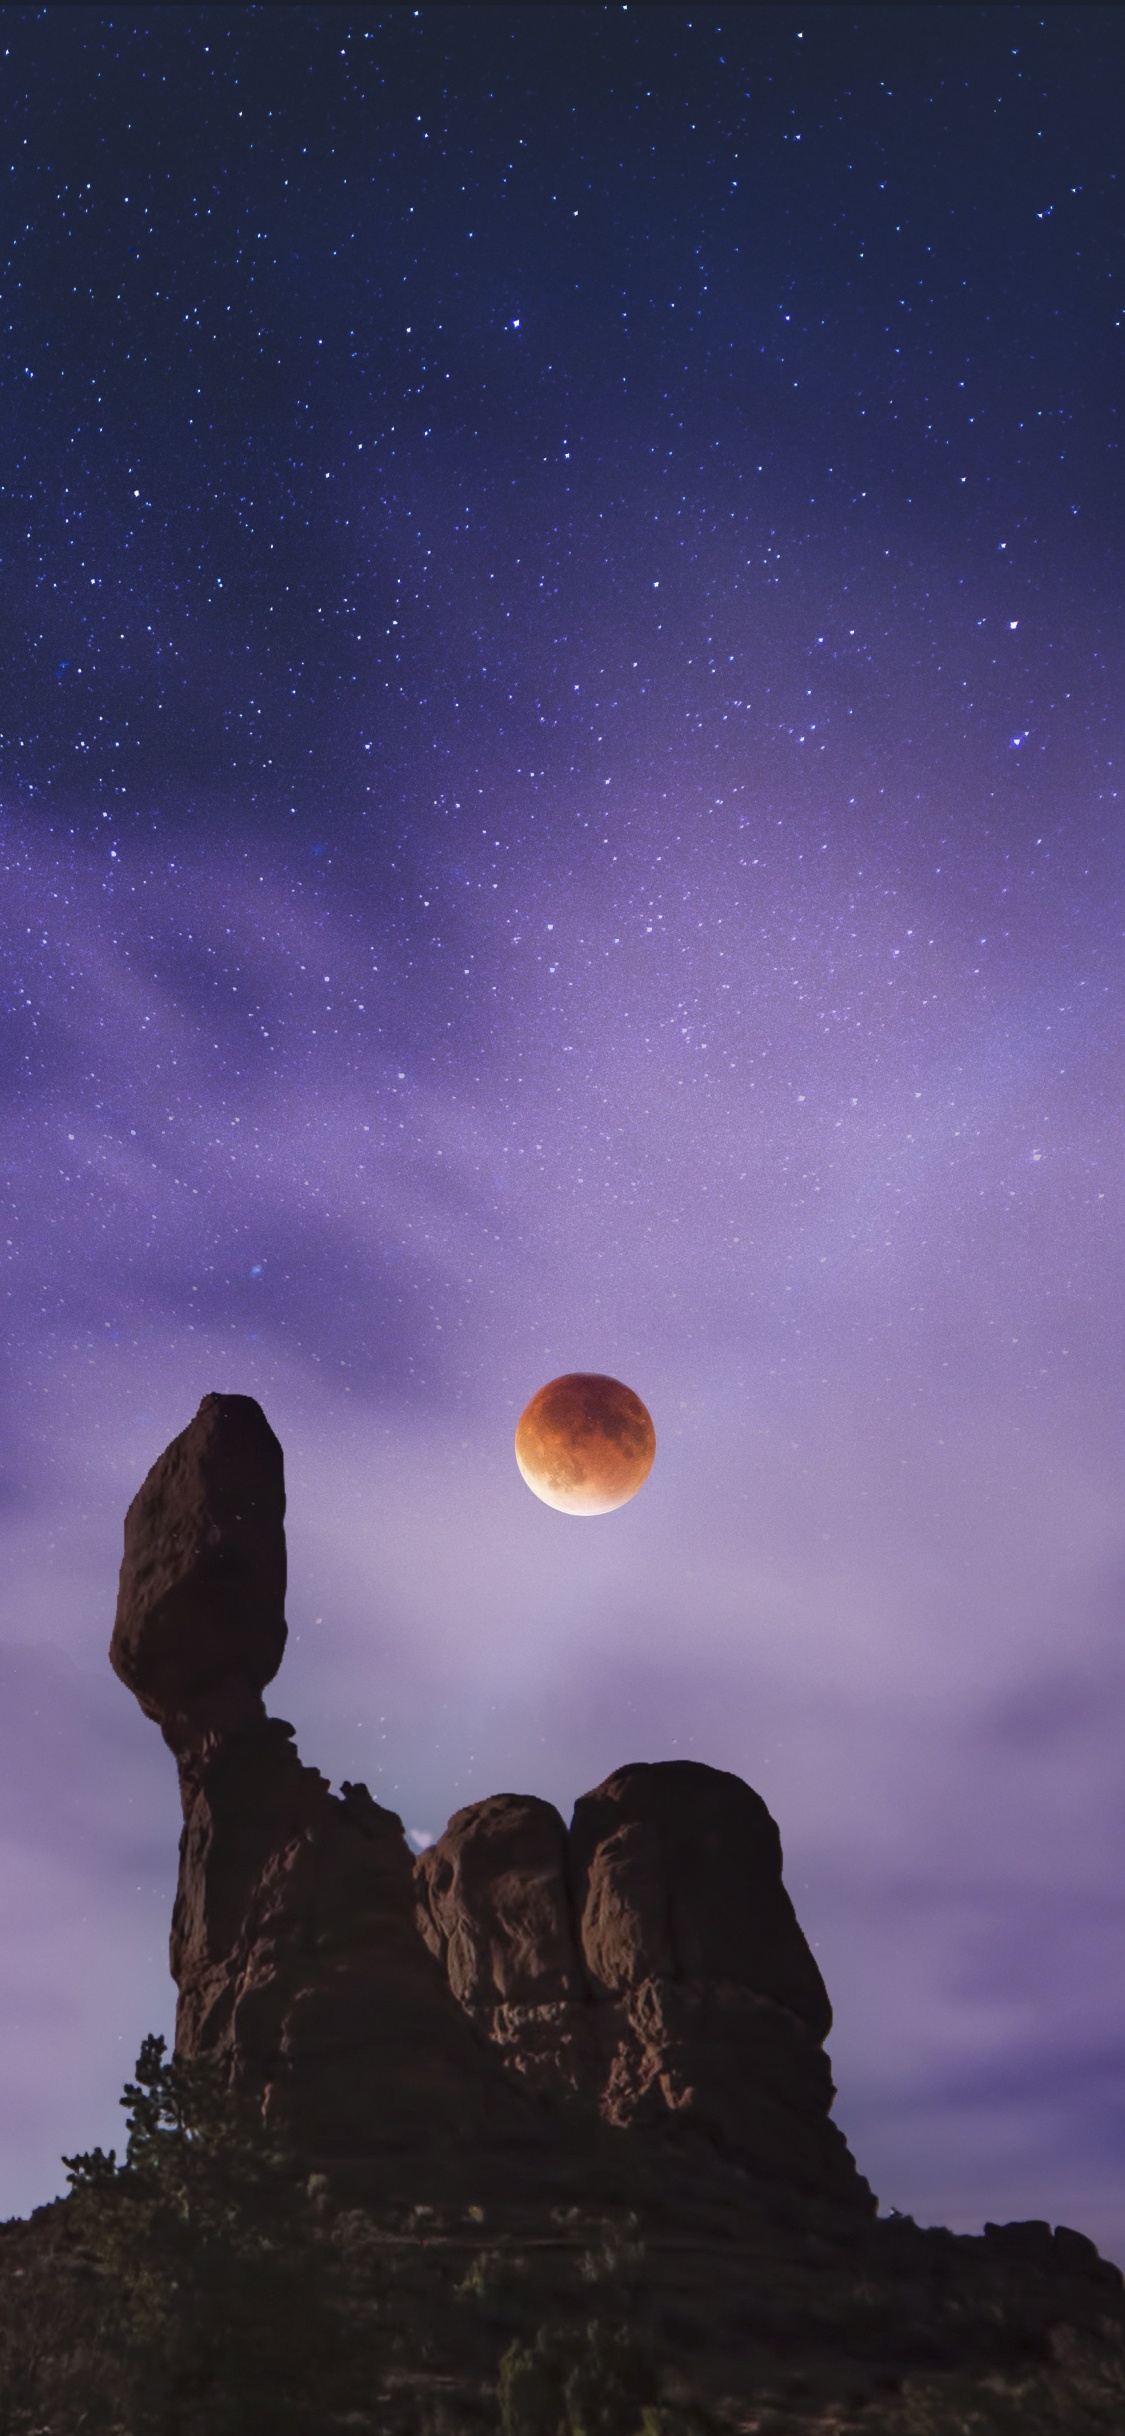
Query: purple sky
539	834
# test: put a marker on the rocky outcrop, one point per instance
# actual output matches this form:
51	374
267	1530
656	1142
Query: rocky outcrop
677	1875
649	1964
294	1945
495	1906
295	1951
525	1993
200	1627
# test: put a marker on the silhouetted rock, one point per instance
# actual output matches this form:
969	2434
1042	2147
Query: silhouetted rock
676	1870
547	2071
494	1906
295	1950
523	1994
692	1944
650	1964
294	1943
200	1627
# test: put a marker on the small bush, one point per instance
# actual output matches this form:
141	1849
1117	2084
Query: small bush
207	2239
596	2383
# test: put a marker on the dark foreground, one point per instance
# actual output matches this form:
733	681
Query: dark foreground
257	2303
532	2137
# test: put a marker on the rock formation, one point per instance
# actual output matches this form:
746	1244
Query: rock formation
523	1997
200	1627
293	1945
650	1963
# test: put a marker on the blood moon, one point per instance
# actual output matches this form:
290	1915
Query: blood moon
585	1443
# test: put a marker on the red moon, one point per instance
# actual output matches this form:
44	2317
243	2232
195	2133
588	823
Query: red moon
585	1443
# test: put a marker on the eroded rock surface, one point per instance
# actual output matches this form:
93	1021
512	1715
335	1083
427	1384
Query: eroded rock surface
649	1964
200	1626
495	1907
295	1950
677	1874
294	1943
525	1993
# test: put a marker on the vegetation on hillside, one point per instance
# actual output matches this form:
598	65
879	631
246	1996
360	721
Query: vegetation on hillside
205	2285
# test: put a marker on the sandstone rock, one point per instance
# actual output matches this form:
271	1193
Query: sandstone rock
685	2000
200	1627
495	1907
649	1965
294	1942
296	1953
676	1871
720	2064
523	1994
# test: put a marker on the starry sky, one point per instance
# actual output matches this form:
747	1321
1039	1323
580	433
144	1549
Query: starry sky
561	777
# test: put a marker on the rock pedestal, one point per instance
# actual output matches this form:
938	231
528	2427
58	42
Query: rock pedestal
522	1996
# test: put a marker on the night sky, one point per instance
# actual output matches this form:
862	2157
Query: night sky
561	775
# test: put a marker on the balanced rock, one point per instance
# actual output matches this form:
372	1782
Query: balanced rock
294	1945
200	1627
520	1998
296	1955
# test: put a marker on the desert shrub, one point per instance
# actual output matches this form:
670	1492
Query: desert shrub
957	2405
593	2383
59	2341
206	2238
